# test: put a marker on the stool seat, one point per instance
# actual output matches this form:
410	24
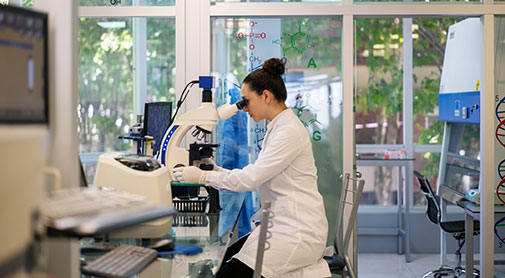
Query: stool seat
336	262
458	226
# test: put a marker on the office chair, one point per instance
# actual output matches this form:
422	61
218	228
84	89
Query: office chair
456	228
340	262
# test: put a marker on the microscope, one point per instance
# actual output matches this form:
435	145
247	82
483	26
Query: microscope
202	119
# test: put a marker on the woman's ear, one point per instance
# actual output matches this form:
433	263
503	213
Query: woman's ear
268	96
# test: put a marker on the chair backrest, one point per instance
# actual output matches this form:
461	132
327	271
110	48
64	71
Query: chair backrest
433	207
350	208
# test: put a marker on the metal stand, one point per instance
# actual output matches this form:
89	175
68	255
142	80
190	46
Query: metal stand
404	191
262	239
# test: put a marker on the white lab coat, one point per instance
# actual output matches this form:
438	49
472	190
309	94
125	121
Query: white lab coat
286	175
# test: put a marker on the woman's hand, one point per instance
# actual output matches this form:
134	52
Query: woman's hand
190	174
212	162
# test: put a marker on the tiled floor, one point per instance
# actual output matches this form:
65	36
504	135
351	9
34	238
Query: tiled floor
394	266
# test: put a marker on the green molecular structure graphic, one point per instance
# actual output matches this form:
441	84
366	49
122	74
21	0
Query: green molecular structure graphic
305	122
316	135
299	41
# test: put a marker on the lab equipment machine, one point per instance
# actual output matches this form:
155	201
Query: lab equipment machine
459	108
91	211
141	144
24	134
21	198
459	94
141	175
147	132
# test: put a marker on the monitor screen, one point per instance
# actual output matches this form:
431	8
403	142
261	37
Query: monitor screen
23	66
157	120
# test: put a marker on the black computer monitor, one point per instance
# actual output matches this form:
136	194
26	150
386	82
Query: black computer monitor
23	66
157	117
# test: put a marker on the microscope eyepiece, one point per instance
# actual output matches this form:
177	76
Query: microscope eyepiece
227	110
241	104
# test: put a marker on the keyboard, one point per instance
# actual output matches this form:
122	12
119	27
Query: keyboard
122	261
84	211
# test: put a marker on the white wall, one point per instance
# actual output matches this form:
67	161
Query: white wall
63	68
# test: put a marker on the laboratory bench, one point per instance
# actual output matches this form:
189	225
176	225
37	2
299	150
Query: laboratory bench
210	232
472	211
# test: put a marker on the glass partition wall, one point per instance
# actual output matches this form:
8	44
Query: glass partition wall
380	119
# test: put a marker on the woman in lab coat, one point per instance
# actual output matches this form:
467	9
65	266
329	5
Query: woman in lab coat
286	175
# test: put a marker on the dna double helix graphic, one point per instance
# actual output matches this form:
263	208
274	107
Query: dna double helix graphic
500	189
500	116
500	137
499	229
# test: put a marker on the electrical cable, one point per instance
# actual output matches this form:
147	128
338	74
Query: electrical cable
182	98
179	103
187	93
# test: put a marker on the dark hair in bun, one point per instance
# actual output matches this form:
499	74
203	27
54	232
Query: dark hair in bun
269	77
274	66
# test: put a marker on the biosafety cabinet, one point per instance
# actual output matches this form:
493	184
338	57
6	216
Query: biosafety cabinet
459	109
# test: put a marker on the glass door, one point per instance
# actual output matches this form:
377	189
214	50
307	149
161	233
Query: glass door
311	48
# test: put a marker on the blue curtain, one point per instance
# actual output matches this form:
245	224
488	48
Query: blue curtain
233	153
